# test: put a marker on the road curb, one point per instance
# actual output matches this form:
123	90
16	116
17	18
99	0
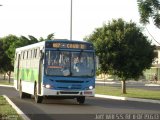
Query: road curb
16	108
127	98
117	83
6	85
152	85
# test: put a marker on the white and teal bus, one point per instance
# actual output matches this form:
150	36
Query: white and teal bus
58	68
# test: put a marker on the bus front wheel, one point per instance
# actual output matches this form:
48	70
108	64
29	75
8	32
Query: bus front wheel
81	100
38	99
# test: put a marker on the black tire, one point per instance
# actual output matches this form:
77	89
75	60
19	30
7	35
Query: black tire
27	95
38	99
81	100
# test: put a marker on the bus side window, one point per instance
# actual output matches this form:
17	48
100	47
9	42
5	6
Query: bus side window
23	55
29	54
38	53
35	53
32	54
26	54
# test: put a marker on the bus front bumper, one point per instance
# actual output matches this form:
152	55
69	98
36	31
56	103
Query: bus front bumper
51	92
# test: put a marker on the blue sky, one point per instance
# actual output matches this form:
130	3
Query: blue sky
42	17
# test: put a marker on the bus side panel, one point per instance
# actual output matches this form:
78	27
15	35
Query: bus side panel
28	78
28	87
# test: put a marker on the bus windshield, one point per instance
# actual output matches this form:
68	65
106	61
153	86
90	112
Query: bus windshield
67	63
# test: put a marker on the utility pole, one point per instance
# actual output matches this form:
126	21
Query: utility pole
71	22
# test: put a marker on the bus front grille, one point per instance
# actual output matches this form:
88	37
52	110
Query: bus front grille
69	88
69	81
68	92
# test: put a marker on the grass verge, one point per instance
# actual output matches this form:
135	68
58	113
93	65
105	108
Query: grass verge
7	112
5	82
131	92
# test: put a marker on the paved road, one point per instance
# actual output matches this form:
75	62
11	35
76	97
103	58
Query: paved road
68	109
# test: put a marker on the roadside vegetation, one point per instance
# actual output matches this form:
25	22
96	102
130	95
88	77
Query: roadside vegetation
131	92
5	82
118	45
6	111
8	44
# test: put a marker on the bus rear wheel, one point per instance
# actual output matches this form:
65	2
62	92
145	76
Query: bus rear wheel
38	99
81	100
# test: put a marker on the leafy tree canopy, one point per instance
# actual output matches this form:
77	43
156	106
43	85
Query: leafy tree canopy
149	9
9	43
122	49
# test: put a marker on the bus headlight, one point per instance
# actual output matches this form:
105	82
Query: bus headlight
90	87
48	86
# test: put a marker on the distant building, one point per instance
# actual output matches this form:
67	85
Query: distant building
155	69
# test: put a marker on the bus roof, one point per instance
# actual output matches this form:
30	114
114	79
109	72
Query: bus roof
68	41
42	44
31	46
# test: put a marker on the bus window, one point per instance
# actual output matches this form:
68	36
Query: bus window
57	63
38	52
82	64
60	63
35	53
32	54
26	54
23	55
29	54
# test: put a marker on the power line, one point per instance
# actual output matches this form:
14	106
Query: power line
152	36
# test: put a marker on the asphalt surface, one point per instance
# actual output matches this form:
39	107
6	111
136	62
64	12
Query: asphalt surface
94	108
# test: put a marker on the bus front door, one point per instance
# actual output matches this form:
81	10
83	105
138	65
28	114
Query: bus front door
40	72
18	64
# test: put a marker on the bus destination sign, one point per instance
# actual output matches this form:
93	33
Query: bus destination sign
69	45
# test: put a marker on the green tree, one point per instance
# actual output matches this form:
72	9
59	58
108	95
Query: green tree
1	54
23	41
32	39
8	45
1	57
122	49
3	60
49	37
149	9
